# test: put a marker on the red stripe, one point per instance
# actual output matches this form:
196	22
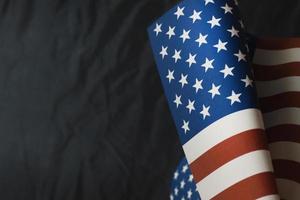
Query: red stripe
287	99
227	150
254	187
267	73
277	43
287	132
287	169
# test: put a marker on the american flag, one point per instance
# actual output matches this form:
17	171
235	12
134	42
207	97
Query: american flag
276	69
277	74
202	56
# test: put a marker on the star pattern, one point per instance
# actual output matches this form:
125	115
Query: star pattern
176	55
179	12
214	22
198	85
208	64
183	184
247	81
170	75
191	60
209	1
190	106
227	71
205	111
214	90
206	75
185	35
202	39
196	16
202	57
185	126
227	9
177	100
240	56
157	29
220	46
183	80
163	52
234	97
233	31
171	32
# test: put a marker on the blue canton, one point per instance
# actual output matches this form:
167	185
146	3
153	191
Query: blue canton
202	56
183	185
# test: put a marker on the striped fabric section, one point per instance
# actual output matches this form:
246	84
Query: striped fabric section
277	71
235	156
203	58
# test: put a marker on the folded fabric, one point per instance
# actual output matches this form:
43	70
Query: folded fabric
204	57
277	76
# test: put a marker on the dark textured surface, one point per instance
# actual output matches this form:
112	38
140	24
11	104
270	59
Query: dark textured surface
82	112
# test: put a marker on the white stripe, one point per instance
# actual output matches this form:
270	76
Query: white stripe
289	190
270	197
282	116
276	57
269	88
221	130
285	150
233	172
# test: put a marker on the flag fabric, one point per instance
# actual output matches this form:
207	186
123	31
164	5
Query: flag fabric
183	184
277	75
203	59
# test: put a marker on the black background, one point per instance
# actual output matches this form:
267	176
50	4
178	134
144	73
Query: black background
82	111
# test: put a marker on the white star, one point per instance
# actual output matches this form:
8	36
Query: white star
163	52
208	64
185	167
185	35
227	9
191	60
176	55
205	111
183	80
171	197
236	2
227	71
191	178
196	16
177	100
171	32
233	32
198	85
176	191
214	90
234	97
189	194
179	12
157	29
202	39
209	1
170	75
214	22
190	106
240	56
176	174
247	81
182	184
185	127
220	46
